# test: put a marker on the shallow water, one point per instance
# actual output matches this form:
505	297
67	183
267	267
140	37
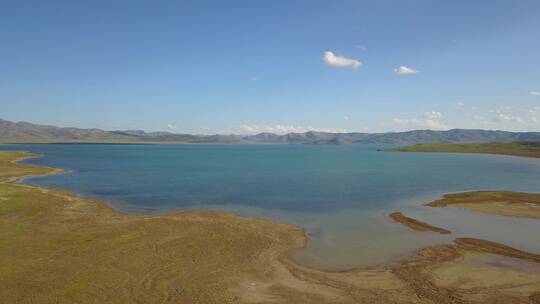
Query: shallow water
339	194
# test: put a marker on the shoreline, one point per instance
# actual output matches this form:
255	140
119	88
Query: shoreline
277	275
397	216
515	149
391	262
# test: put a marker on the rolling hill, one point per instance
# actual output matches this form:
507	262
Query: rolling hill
24	132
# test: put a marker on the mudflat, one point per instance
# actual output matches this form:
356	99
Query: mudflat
62	248
416	224
517	204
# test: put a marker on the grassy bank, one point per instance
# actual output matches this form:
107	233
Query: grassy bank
517	204
56	247
527	149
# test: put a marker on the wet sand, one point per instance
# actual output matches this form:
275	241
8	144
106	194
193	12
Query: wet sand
66	249
516	204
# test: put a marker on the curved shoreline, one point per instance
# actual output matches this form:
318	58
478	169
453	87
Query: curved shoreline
397	217
248	258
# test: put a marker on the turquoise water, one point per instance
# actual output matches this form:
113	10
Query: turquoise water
339	194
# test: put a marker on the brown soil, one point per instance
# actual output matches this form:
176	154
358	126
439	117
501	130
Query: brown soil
415	224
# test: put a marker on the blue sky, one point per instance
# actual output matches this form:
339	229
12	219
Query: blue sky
250	66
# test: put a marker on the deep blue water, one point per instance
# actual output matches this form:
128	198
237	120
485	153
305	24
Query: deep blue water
317	187
286	177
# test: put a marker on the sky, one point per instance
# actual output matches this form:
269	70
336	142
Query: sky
208	67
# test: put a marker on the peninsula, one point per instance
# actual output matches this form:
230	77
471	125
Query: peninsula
518	148
517	204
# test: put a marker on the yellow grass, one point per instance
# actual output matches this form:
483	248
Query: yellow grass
517	204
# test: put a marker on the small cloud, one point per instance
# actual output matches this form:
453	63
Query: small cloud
172	127
281	129
459	105
534	114
534	111
428	120
508	118
403	70
361	47
340	61
534	93
480	121
504	116
346	117
432	115
478	117
415	123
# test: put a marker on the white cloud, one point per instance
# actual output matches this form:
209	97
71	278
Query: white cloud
432	115
503	115
479	121
281	129
340	61
428	120
508	118
534	114
403	70
172	127
478	117
346	117
534	93
459	105
415	123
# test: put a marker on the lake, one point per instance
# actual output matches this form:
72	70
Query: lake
339	194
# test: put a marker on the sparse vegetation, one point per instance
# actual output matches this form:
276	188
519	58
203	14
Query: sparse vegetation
518	204
399	217
527	149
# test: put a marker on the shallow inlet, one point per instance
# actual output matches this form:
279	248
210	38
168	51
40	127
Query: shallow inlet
351	239
339	194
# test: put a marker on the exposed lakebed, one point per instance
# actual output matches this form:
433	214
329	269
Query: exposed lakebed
339	194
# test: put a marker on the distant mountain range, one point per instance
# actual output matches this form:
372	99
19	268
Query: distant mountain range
24	132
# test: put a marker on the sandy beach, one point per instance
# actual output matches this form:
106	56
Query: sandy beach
66	249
